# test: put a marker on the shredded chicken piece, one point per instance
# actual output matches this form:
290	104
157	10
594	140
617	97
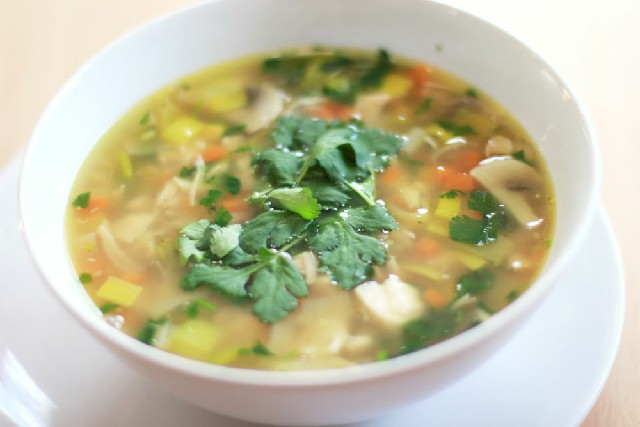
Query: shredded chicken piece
393	302
113	251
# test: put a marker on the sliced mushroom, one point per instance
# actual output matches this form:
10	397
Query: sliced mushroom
511	181
498	146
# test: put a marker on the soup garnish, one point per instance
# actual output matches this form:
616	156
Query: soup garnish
313	209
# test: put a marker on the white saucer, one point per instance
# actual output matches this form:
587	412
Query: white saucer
548	375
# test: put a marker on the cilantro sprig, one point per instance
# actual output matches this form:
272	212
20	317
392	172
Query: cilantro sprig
479	231
320	197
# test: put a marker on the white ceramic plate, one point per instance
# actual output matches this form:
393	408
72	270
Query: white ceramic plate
549	375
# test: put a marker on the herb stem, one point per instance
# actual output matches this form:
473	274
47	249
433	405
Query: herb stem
361	193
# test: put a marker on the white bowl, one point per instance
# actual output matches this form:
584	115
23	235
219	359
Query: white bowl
190	39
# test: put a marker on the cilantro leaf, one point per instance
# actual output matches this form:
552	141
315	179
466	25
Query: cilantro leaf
452	194
275	287
227	280
298	200
428	330
271	229
374	76
187	172
148	331
224	239
344	253
288	69
82	200
329	195
280	167
85	278
479	232
370	218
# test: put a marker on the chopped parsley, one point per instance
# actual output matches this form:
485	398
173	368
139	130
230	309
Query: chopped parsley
471	92
452	194
457	130
108	307
513	295
187	172
85	278
211	198
193	309
148	331
145	119
519	155
222	216
234	130
474	282
230	184
424	106
82	200
321	198
257	349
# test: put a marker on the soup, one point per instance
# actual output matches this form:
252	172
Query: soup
311	209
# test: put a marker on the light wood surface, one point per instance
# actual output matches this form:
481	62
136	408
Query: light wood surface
595	45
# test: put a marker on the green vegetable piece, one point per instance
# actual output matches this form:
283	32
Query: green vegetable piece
193	309
375	75
452	194
428	330
370	218
147	333
222	217
519	155
230	184
280	167
424	106
85	278
187	172
145	119
272	229
344	253
82	200
471	92
108	307
276	287
211	198
297	200
456	129
513	295
234	130
227	280
336	63
224	239
474	282
290	70
479	232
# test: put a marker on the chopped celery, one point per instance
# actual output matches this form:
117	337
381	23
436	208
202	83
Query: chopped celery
224	356
126	167
396	85
438	133
194	338
448	208
118	291
425	271
470	260
480	123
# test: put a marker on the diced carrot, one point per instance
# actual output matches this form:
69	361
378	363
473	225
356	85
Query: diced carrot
132	277
451	178
474	215
333	111
426	247
214	153
419	75
391	175
235	204
435	298
96	205
468	159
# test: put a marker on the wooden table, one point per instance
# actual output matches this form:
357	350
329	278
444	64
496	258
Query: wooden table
594	44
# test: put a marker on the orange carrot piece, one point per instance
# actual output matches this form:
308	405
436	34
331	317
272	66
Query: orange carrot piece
390	175
214	153
468	159
426	247
419	75
132	278
333	111
451	178
435	298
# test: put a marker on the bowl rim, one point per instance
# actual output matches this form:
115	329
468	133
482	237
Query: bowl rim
514	312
